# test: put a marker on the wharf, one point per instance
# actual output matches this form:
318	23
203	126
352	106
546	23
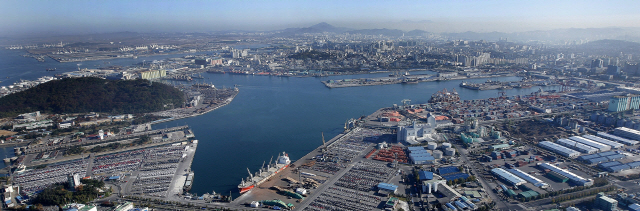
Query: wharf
265	192
397	80
181	113
489	85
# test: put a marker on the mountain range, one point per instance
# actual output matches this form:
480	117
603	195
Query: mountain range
325	27
555	35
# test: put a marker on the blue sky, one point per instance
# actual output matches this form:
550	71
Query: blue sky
437	16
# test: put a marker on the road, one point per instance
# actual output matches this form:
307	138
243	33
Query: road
500	204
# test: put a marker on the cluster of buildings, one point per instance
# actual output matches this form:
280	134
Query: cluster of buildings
589	144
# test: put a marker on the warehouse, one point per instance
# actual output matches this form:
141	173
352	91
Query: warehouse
578	180
557	177
559	149
420	156
618	168
617	138
577	146
634	165
529	178
627	133
599	146
613	144
509	177
386	188
609	164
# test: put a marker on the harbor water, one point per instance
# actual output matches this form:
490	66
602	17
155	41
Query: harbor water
269	115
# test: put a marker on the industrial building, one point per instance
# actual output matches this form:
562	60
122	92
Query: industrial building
509	177
601	157
153	74
529	178
627	133
425	175
386	188
564	151
417	133
616	166
577	146
617	138
431	185
605	203
599	146
469	203
613	144
578	180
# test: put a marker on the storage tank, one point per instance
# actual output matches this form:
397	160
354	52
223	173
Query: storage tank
450	152
446	145
437	154
432	145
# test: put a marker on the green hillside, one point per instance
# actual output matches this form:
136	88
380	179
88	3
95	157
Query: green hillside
88	94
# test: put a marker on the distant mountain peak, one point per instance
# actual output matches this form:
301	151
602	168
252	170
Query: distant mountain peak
322	25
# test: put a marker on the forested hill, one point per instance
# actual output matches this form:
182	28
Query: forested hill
88	94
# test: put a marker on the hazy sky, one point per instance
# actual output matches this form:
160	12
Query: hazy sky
66	16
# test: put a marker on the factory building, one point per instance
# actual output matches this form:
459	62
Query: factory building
417	133
599	146
564	151
627	133
577	146
529	178
419	155
578	180
509	177
617	138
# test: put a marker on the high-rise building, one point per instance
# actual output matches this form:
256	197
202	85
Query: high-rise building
597	63
624	103
632	69
73	180
613	70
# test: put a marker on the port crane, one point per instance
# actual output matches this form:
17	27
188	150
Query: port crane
324	144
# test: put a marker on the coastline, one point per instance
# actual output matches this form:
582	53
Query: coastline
226	102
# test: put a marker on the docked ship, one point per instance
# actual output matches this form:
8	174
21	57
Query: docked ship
238	72
264	173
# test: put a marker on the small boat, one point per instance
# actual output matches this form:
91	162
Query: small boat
51	69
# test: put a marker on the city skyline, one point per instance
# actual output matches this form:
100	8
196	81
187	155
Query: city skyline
70	17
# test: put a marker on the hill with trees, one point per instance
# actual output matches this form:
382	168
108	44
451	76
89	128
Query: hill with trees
75	95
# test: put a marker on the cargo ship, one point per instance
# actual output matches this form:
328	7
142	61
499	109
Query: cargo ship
264	173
